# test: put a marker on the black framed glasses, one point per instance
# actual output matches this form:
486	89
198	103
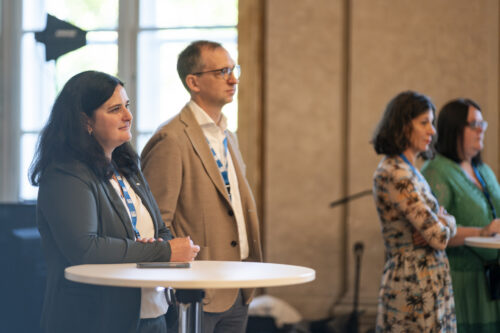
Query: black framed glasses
478	124
225	72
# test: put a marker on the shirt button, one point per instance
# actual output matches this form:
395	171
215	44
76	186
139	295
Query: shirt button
234	243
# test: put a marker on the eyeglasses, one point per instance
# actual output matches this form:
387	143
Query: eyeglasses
481	124
225	72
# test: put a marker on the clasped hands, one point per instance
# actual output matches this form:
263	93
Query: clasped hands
492	229
182	249
418	239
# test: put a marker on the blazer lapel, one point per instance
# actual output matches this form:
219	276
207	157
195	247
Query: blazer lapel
200	145
117	204
239	166
139	189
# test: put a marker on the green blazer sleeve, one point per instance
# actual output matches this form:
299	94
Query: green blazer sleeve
439	185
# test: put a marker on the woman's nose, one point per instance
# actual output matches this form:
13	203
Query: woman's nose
127	115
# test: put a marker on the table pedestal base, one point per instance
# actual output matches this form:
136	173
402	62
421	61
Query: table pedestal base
190	310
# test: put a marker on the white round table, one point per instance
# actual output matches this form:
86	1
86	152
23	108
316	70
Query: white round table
488	243
484	242
190	282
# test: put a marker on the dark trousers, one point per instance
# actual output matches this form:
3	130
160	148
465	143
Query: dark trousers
233	320
152	325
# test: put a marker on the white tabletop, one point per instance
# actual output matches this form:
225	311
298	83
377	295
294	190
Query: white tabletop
201	275
485	242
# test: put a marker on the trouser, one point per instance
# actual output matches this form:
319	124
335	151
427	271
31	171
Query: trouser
152	325
233	320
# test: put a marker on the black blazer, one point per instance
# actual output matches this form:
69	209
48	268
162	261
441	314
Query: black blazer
82	220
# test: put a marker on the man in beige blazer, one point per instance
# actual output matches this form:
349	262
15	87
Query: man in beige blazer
197	175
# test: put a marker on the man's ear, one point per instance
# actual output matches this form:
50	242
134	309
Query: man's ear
192	83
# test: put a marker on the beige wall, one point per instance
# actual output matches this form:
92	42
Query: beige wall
303	144
330	67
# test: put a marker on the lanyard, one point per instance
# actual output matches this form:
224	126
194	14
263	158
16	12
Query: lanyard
417	173
412	167
485	191
222	168
130	204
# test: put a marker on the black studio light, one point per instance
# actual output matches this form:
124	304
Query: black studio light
60	37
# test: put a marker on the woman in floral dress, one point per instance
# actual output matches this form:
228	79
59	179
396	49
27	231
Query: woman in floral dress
416	293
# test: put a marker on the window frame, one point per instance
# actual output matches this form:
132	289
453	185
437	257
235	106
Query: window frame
10	41
11	32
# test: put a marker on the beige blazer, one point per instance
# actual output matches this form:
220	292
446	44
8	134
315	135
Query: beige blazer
188	187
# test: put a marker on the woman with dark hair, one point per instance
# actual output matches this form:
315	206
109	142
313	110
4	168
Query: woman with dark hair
94	207
469	190
416	294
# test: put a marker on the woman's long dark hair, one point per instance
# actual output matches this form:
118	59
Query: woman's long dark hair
451	124
65	136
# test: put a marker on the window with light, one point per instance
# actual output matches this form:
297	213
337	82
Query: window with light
164	28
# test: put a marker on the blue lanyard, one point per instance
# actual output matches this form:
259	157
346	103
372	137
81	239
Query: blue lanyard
485	191
412	167
222	168
130	204
417	173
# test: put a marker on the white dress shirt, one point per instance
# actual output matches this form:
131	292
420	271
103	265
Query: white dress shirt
153	301
215	134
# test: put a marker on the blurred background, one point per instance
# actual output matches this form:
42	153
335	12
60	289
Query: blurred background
316	76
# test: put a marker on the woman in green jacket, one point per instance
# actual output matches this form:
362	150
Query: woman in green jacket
469	190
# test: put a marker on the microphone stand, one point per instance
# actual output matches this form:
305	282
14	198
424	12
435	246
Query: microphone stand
352	324
350	197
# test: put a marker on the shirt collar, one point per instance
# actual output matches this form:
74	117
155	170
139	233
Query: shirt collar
204	119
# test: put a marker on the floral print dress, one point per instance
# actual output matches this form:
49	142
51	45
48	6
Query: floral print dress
416	293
